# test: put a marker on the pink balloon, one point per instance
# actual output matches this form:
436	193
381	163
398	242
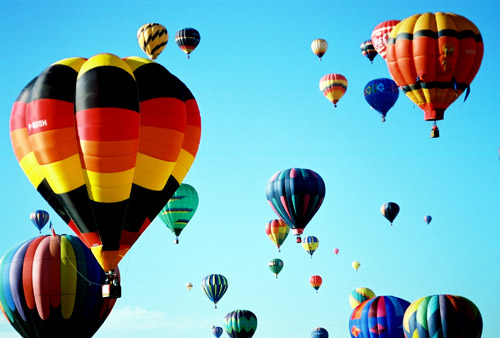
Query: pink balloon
336	251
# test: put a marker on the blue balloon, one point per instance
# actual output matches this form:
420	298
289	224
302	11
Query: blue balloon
381	94
319	332
217	331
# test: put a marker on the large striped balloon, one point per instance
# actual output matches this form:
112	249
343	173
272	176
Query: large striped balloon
152	38
214	286
179	210
333	86
277	230
106	142
295	195
434	58
443	316
379	317
240	324
50	287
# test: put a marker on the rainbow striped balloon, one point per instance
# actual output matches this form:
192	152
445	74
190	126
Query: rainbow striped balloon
333	86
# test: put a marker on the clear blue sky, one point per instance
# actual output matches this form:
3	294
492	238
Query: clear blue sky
256	82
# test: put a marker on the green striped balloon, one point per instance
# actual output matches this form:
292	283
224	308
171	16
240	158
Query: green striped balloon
240	324
214	286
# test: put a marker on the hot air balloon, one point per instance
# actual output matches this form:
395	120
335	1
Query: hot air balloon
356	265
359	295
319	332
333	87
316	282
106	142
428	219
368	50
380	35
39	218
390	210
214	286
434	58
51	288
240	324
277	230
276	265
443	316
380	316
187	39
381	94
189	286
295	195
217	331
152	38
319	47
310	244
336	251
179	209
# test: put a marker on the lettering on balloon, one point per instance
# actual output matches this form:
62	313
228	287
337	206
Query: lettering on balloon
37	124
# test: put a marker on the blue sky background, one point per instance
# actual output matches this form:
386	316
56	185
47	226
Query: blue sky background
256	82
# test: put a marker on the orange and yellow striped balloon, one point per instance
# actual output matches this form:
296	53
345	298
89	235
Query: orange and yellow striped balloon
106	141
333	87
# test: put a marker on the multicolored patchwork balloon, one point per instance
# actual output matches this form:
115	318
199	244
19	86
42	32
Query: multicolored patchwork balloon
51	287
240	324
379	317
214	286
295	195
359	295
443	316
277	230
310	244
333	86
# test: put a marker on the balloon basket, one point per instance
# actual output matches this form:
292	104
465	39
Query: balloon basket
298	240
434	132
111	291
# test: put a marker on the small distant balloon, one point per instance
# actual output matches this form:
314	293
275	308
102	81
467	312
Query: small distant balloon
277	230
217	331
214	286
356	265
310	244
187	39
39	219
316	282
390	210
336	251
381	94
368	50
333	86
319	332
319	47
152	38
276	265
428	219
189	286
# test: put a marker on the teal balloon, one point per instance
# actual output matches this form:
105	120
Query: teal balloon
240	324
214	286
276	265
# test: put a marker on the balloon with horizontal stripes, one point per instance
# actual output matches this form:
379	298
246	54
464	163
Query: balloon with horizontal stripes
434	57
316	282
214	286
50	287
310	244
106	141
187	39
368	50
333	86
179	209
277	230
276	265
240	324
152	38
296	195
39	218
443	316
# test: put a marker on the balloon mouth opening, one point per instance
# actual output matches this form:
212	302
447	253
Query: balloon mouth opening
433	114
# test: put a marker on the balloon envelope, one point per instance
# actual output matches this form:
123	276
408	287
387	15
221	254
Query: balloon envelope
359	295
379	317
277	230
51	288
316	282
434	57
187	39
381	94
356	265
380	36
240	324
319	47
276	265
310	244
214	286
106	141
368	50
152	38
179	209
443	316
295	195
333	86
217	331
390	210
39	218
319	332
336	251
428	219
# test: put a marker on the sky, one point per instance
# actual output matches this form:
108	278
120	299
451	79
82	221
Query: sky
256	82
